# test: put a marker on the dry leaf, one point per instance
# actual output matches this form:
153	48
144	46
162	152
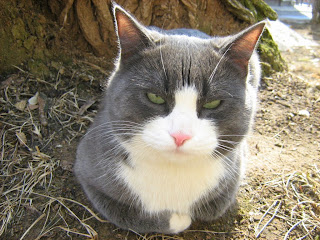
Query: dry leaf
22	138
85	106
32	107
14	79
21	105
37	155
37	131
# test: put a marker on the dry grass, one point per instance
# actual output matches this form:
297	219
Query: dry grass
296	202
29	166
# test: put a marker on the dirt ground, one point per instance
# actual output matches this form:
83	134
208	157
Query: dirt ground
40	198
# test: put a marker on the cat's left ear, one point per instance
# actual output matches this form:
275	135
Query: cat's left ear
239	51
133	37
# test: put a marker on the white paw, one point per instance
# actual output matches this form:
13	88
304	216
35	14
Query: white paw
179	222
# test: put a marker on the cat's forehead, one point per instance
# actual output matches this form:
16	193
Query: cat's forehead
185	59
186	40
180	45
177	52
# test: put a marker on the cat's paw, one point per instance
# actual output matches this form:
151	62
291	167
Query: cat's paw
179	222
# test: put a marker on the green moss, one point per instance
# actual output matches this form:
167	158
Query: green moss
249	5
19	30
270	55
40	53
40	32
10	53
22	36
239	10
252	11
30	43
264	10
37	67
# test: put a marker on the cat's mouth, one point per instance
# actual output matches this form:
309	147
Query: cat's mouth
180	151
185	152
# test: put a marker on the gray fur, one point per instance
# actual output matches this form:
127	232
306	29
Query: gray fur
161	62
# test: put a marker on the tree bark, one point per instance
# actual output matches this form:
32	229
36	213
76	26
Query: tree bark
316	11
214	17
87	26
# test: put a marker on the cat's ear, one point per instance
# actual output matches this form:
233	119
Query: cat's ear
239	51
132	36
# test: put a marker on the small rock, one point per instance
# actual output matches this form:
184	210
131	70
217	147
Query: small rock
279	145
34	100
66	165
290	116
304	113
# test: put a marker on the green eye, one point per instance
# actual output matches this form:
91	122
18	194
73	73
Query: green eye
212	105
155	98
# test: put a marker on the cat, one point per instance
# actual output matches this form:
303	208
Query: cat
168	145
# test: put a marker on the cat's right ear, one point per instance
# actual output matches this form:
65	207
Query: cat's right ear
132	36
242	46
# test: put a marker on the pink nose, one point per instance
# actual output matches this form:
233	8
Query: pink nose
180	138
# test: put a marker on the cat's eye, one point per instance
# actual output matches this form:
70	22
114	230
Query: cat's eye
155	98
213	104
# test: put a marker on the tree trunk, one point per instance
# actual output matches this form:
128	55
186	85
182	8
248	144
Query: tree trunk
316	11
87	25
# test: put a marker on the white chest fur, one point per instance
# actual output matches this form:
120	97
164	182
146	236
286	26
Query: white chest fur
163	185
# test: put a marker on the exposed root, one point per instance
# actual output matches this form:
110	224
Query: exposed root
64	14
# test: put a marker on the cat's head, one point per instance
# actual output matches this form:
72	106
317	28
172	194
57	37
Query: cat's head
181	95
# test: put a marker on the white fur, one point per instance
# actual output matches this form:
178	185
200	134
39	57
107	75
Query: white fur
178	222
164	176
183	119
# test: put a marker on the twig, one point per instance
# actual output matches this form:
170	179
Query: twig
78	233
32	225
20	69
59	199
64	13
95	67
290	230
42	114
275	203
213	232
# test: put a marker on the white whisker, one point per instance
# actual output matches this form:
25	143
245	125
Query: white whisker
161	57
216	67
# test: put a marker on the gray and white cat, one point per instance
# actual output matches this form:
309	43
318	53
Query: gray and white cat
169	143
